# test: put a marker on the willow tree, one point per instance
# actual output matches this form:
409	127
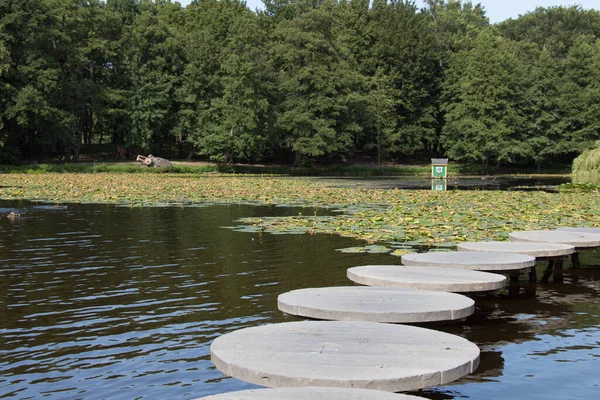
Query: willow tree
586	167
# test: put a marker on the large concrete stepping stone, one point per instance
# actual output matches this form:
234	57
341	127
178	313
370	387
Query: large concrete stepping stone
376	304
595	231
480	261
430	278
534	249
364	355
580	240
311	393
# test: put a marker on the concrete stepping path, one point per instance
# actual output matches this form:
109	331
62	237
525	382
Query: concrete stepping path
376	304
344	354
311	393
430	278
534	249
595	231
580	240
479	261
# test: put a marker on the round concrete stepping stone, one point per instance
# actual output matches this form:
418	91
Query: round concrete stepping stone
595	231
534	249
375	304
580	240
311	393
430	278
344	354
480	261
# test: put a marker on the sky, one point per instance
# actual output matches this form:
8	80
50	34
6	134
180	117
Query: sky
496	10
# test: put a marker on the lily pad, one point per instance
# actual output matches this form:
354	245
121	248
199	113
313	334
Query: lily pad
401	252
249	229
376	249
352	250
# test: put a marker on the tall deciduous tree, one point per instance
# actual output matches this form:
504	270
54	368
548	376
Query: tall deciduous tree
554	29
580	92
225	82
317	82
156	65
482	101
30	116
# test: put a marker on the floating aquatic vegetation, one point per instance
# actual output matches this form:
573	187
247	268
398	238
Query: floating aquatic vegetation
401	252
396	217
352	250
372	249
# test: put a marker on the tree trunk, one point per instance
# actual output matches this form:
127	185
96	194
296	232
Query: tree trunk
297	159
180	146
78	140
90	125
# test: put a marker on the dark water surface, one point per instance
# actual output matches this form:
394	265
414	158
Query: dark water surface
106	302
512	182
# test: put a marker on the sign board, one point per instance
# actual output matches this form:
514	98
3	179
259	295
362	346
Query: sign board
439	168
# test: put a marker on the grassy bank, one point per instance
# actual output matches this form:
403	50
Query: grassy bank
398	216
203	168
183	167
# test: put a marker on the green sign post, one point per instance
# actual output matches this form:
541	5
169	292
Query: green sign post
439	168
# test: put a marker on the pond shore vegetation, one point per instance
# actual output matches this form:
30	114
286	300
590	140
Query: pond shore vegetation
586	167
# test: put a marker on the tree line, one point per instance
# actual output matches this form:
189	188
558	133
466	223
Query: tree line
306	79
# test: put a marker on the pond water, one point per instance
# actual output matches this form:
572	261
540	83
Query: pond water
107	302
512	182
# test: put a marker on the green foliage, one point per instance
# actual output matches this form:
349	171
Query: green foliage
225	83
578	187
9	156
317	83
586	167
553	29
318	78
482	100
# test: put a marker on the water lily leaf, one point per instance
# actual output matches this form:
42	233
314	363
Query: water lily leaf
352	250
401	252
250	229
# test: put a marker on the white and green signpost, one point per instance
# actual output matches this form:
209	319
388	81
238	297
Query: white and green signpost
439	168
439	173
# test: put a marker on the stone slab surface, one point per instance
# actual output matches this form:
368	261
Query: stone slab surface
364	355
578	239
535	249
595	231
430	278
376	304
479	261
311	393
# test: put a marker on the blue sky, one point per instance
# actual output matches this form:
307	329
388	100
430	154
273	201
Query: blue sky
496	10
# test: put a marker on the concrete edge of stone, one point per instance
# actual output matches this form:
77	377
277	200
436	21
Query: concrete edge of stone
343	303
581	240
534	249
474	260
310	393
251	355
486	281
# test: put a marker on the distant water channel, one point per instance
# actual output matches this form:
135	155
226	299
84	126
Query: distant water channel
107	302
513	182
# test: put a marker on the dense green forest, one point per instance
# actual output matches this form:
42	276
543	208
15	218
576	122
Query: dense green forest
303	80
